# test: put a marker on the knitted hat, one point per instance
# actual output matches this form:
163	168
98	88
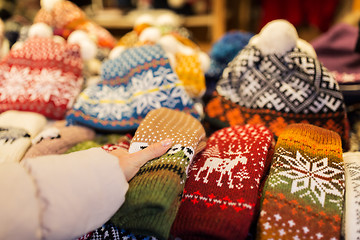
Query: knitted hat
273	82
42	76
304	193
336	49
134	83
64	17
222	191
188	69
153	196
17	129
221	53
58	138
352	176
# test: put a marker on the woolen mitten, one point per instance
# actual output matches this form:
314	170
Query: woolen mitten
154	193
17	129
111	232
221	195
58	138
351	223
303	196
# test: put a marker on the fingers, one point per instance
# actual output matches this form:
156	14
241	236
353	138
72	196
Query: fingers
153	151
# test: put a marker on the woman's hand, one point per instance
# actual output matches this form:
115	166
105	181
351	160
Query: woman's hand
130	163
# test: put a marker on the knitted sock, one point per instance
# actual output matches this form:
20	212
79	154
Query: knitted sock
58	138
16	131
304	193
222	191
351	218
156	188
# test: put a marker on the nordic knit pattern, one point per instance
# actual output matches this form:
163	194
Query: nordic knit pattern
110	232
221	194
43	76
139	80
351	223
154	193
276	91
304	193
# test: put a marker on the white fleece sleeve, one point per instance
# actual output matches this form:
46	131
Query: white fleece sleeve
78	192
19	213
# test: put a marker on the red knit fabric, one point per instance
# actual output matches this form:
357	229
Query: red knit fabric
42	76
222	190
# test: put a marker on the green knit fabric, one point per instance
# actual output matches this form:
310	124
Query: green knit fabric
154	193
99	141
154	196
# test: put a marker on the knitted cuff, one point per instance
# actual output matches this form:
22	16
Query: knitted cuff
304	193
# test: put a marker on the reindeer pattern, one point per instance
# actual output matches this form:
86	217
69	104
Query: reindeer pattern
225	166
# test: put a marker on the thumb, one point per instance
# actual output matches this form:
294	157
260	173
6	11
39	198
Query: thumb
153	151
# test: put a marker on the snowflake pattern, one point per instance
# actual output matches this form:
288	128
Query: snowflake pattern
31	86
316	178
144	92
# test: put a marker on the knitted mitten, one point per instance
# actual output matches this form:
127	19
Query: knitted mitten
222	191
111	232
58	138
304	193
17	128
351	218
153	196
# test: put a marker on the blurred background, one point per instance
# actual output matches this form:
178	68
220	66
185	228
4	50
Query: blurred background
208	20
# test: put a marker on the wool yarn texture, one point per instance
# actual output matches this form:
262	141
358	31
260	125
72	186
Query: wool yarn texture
134	83
221	195
352	209
110	231
190	74
43	76
58	138
17	129
277	88
303	196
154	193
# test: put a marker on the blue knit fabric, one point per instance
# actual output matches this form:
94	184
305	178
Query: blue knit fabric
139	80
224	50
